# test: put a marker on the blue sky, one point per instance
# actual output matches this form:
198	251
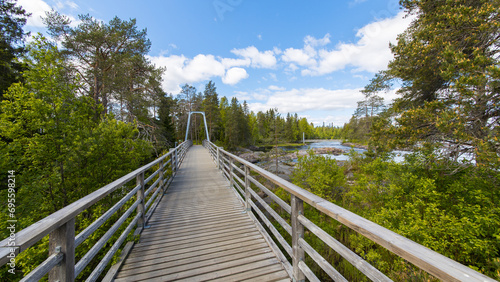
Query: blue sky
309	57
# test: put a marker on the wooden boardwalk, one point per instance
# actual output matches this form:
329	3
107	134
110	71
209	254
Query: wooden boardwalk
200	232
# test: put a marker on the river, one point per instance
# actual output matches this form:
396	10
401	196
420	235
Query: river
398	157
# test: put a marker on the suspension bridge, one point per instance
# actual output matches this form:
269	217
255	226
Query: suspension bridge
197	214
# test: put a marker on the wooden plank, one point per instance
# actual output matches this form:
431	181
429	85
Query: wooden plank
85	260
268	192
326	266
140	256
366	268
111	252
201	239
82	236
212	252
41	270
256	274
308	272
278	275
198	230
213	271
162	234
35	232
281	257
174	228
191	236
273	229
274	214
196	262
225	271
426	259
179	247
113	271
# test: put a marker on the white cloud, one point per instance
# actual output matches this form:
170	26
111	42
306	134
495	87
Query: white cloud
258	59
371	52
297	56
180	70
234	75
72	5
309	99
276	88
337	119
311	41
37	8
230	62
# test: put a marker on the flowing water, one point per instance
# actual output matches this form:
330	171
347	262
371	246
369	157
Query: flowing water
398	157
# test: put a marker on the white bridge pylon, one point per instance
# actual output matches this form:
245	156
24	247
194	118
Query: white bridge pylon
189	122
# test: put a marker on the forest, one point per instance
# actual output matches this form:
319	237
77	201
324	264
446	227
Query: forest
85	106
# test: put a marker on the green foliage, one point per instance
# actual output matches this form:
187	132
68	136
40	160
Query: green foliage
447	62
57	147
454	213
320	175
12	20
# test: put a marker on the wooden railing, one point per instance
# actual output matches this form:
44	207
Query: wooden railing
237	171
60	226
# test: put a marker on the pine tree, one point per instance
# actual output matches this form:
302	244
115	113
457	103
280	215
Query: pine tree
12	20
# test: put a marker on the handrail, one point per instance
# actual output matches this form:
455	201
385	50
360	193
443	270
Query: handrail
60	225
430	261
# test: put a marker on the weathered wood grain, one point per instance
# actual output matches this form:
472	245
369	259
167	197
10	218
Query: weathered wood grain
426	259
200	230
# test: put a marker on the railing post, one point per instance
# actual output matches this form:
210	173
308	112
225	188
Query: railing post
140	196
218	158
174	163
297	206
63	240
160	184
248	196
231	179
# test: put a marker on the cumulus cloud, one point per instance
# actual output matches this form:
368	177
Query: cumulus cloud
299	57
257	58
180	70
37	8
234	75
311	41
308	99
276	88
371	52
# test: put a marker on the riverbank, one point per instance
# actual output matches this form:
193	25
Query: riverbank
355	145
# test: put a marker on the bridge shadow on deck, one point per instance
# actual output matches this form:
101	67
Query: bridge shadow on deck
199	232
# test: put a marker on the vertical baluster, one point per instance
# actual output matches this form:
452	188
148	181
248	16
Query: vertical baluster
140	196
161	183
231	179
248	196
297	233
218	158
174	163
63	240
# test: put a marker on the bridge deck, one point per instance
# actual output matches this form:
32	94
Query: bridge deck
199	232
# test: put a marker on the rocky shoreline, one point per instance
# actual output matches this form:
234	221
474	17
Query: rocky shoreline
286	160
355	145
259	156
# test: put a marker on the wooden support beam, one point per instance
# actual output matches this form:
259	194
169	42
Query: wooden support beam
62	240
297	233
